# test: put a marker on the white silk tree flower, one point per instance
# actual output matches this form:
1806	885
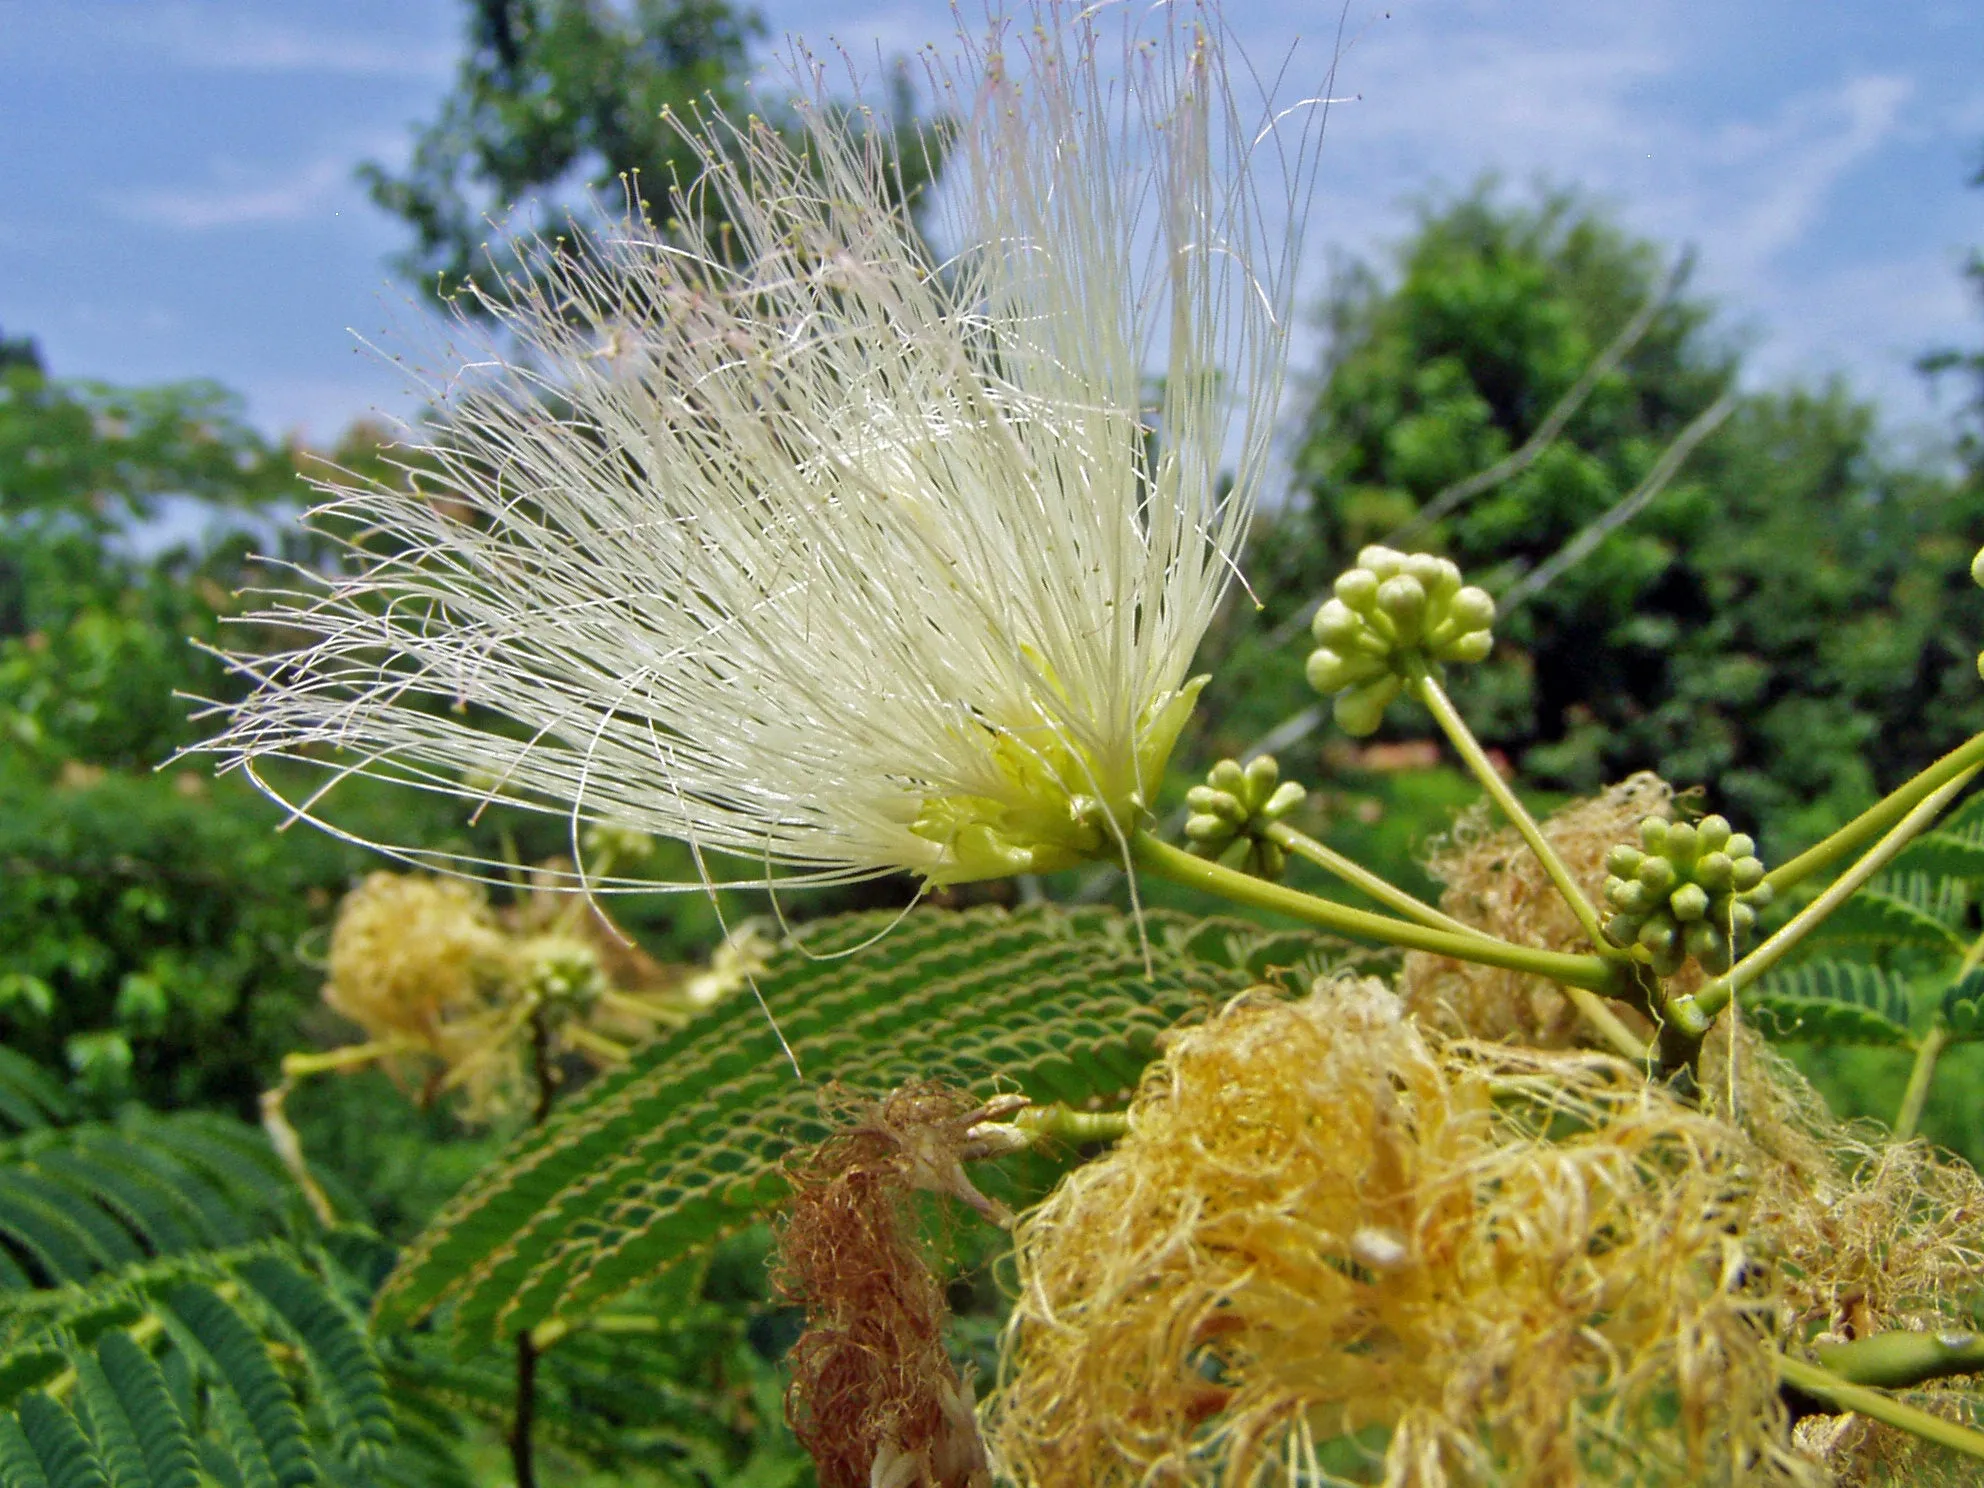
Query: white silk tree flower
767	531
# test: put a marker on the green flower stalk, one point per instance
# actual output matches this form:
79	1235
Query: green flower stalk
1391	612
1233	810
1694	891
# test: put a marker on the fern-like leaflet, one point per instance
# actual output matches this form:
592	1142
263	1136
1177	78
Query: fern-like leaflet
683	1145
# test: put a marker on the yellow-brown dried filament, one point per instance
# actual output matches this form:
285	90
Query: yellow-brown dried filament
1334	1245
1494	882
874	1395
1866	1235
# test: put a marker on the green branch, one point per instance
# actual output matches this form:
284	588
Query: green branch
1591	972
1590	1006
1928	1049
1829	1389
1879	817
1301	845
1429	692
1895	1361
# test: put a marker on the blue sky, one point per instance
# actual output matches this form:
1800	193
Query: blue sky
177	195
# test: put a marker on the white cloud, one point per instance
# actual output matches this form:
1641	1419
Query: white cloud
1781	173
237	38
306	192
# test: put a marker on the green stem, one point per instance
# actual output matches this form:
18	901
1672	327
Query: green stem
1592	972
1455	727
1696	1012
1829	1389
1061	1123
1927	1050
1879	817
1895	1361
523	1421
1591	1007
1302	845
1607	1025
350	1056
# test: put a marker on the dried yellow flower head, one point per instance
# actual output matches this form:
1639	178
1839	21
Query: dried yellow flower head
1333	1248
409	954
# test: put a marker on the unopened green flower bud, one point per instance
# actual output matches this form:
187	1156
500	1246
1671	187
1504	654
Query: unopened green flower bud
1680	845
1383	562
1227	776
1709	944
1658	874
1472	609
1331	671
1337	625
1403	601
1358	589
1208	800
1623	861
1713	870
1360	709
1203	827
1475	646
1689	902
1977	577
1623	929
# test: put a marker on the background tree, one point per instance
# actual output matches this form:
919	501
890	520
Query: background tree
560	108
1968	366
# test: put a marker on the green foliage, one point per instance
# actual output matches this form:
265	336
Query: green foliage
1834	1002
93	635
79	1201
169	1315
658	1159
1788	624
1962	1007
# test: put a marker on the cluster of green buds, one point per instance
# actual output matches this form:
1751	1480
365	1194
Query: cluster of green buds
1393	612
616	845
1694	891
1232	811
562	973
1977	578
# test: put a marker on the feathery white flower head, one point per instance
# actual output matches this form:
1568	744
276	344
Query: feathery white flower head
783	540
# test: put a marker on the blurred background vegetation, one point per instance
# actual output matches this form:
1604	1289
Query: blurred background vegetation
1787	624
